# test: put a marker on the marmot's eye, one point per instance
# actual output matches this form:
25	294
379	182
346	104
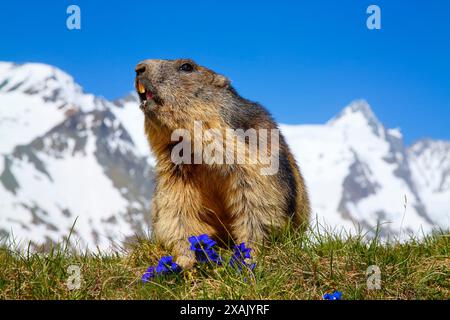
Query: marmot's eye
187	67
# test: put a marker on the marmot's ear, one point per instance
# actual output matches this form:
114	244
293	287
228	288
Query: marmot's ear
220	81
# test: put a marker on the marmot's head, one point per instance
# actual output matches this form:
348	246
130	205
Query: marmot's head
174	92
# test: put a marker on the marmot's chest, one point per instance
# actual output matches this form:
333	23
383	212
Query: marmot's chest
213	188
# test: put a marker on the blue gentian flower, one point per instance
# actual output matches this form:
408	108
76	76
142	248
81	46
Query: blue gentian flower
337	295
150	273
241	252
203	247
165	266
202	241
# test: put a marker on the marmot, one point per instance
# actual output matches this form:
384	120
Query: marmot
230	201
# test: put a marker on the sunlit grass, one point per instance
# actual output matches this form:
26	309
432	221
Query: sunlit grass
290	266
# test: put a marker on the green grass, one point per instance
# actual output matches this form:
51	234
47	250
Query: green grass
290	266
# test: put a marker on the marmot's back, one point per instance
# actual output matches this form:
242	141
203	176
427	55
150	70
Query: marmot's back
247	114
253	115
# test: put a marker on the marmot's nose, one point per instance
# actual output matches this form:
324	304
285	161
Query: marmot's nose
140	68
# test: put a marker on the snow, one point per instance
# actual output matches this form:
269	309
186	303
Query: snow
317	149
131	117
23	118
430	166
395	132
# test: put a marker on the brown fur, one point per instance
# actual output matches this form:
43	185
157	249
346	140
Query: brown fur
229	202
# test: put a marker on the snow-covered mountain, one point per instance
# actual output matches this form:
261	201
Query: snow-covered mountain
358	173
67	155
430	167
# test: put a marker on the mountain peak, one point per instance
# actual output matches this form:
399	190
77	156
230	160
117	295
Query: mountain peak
359	106
37	78
425	144
32	72
358	113
48	82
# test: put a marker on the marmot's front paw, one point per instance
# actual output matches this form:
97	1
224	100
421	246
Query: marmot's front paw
185	262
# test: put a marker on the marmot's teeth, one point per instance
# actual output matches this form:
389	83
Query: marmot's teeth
141	88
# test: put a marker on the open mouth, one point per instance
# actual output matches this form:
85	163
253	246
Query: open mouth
147	97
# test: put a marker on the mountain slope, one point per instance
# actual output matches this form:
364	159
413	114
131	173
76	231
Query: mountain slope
430	165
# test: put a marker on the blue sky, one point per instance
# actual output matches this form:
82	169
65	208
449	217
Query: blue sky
304	60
